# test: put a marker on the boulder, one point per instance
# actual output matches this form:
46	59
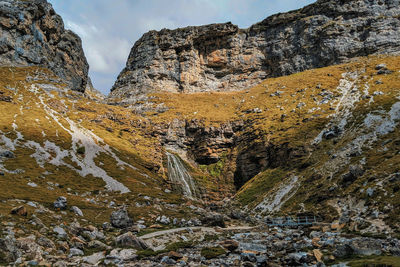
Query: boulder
121	219
343	251
213	219
130	240
21	211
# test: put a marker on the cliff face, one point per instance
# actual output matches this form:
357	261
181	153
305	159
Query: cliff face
31	33
222	57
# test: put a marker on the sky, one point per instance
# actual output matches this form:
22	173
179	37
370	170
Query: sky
109	28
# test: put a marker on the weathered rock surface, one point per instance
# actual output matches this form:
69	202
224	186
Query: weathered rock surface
121	219
60	203
222	57
31	33
130	240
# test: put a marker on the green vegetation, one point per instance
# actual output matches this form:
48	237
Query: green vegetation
281	124
212	252
260	185
363	261
81	150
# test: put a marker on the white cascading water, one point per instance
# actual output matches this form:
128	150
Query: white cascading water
178	174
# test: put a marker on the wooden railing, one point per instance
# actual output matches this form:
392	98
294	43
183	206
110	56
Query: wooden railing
293	221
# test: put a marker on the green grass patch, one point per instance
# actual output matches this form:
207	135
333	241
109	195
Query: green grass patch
377	261
212	252
260	185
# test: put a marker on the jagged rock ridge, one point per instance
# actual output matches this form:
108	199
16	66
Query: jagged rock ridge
222	57
31	33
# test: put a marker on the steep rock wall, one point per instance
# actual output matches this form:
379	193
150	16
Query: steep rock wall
31	33
222	57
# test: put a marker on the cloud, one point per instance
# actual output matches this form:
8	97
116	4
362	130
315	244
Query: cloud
105	53
109	28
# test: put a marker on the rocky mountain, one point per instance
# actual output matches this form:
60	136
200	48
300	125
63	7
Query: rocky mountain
32	34
222	57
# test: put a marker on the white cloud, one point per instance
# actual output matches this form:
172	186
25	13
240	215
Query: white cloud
104	52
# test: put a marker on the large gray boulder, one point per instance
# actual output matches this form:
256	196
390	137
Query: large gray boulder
32	34
121	219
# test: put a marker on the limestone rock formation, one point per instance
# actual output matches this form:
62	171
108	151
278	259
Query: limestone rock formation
31	33
222	57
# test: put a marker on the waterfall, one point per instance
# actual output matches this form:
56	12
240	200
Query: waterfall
178	174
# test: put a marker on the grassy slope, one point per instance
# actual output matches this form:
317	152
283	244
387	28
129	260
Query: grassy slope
118	128
130	137
299	127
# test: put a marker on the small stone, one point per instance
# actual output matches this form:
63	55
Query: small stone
60	232
300	105
77	211
380	66
60	203
370	191
6	154
32	184
378	93
164	220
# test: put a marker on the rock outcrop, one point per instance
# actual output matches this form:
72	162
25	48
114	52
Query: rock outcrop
222	57
31	33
